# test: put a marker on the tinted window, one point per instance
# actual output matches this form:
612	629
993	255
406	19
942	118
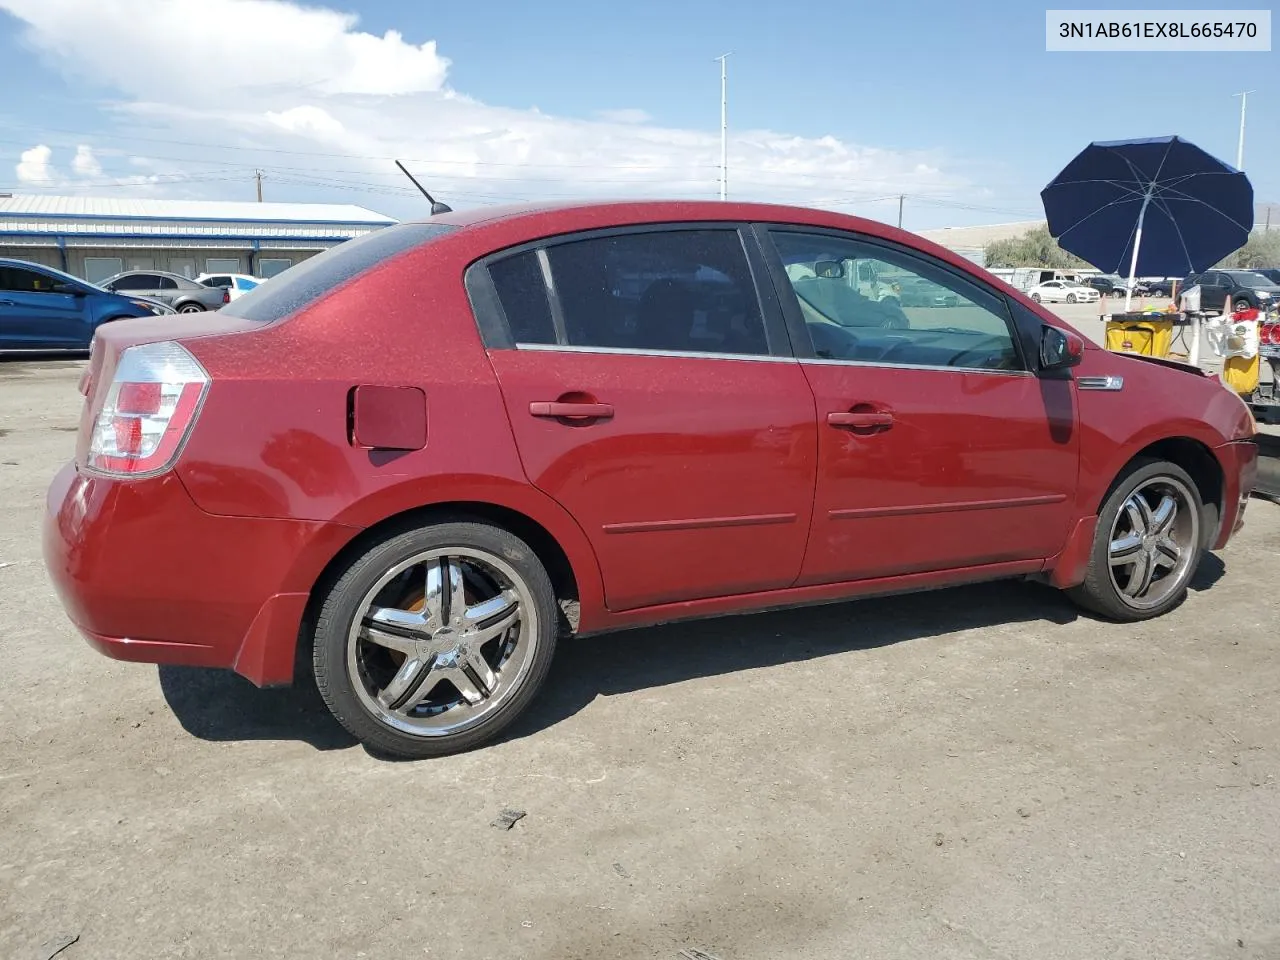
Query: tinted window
168	283
522	291
216	281
293	289
681	290
242	283
915	311
136	281
17	280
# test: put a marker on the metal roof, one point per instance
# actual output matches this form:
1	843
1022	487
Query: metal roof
238	211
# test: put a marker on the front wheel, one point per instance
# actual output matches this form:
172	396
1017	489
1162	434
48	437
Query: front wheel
1035	297
1242	304
191	308
435	639
1071	298
1147	545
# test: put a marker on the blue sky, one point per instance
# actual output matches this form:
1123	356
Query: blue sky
956	105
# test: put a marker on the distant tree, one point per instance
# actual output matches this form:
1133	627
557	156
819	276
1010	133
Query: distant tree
1035	248
1261	250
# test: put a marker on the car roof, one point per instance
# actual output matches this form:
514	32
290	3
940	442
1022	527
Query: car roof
532	220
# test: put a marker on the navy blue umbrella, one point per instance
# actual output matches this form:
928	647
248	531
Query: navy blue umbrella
1158	207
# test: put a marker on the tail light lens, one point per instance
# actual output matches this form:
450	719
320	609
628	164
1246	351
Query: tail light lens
226	294
148	412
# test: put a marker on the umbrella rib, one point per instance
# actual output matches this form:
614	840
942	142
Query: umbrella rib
1094	213
1182	242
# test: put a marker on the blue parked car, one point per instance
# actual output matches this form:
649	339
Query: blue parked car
46	310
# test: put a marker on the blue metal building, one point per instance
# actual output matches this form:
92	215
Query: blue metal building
94	237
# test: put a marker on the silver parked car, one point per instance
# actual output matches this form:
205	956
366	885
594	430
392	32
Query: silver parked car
181	293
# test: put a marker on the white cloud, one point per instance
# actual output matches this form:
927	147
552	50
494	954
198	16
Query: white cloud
85	163
625	115
269	44
308	119
299	82
34	166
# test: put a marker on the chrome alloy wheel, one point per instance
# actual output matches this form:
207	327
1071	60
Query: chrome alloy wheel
1155	539
441	641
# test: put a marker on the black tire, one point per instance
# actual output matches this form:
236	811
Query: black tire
344	602
1071	298
1035	297
1099	592
1242	304
192	307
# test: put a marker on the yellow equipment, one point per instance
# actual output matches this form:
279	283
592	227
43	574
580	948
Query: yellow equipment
1149	335
1241	373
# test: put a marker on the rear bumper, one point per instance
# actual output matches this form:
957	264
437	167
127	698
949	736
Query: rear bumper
148	576
1239	461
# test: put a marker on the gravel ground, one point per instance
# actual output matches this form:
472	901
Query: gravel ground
975	773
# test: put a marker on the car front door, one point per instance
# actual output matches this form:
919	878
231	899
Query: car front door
34	316
654	396
937	448
1213	292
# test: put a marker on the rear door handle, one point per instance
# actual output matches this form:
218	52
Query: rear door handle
570	411
860	420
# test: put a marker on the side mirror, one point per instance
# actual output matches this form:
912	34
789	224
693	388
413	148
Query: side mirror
68	288
1059	350
829	269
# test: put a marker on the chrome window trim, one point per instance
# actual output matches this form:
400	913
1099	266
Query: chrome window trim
825	362
636	352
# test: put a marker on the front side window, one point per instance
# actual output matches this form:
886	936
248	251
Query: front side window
914	312
17	280
662	290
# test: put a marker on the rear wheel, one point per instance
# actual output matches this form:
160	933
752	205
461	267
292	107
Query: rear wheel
436	639
191	308
1147	545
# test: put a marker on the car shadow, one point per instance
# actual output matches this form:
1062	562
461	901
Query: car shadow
218	705
589	667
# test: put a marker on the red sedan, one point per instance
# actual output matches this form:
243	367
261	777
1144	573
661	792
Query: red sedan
411	462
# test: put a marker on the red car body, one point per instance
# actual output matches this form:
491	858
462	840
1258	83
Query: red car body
716	487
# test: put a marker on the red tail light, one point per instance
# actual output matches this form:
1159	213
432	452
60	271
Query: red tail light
226	294
1270	334
149	410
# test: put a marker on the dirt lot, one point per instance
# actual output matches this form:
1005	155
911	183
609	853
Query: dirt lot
976	773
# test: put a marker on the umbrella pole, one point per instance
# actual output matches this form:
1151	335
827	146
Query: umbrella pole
1137	242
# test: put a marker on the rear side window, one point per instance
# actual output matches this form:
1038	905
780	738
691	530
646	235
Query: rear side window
299	286
670	290
522	291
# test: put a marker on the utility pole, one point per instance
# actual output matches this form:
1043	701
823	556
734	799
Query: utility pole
257	175
724	127
1244	98
901	197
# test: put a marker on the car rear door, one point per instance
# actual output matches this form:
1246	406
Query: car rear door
652	393
937	448
33	316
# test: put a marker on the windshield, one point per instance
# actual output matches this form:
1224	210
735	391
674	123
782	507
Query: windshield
1247	278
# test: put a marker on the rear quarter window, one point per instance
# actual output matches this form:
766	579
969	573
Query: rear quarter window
295	288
